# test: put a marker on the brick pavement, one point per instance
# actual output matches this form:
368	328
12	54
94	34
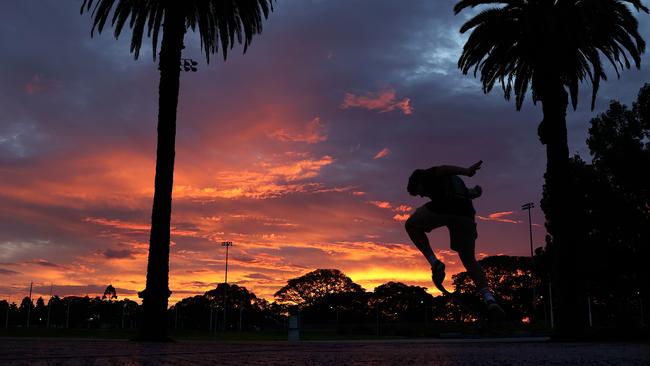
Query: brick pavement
22	351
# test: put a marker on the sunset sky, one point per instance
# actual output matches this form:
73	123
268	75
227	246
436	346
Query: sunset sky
298	152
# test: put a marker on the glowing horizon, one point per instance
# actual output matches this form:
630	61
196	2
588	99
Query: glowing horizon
298	152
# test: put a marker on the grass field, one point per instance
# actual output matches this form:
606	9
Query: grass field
184	335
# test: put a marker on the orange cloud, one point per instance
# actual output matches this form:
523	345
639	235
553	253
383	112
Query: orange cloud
499	217
118	224
269	179
381	204
403	208
382	154
314	133
401	218
383	101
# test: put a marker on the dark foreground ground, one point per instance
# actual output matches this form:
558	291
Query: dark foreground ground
497	352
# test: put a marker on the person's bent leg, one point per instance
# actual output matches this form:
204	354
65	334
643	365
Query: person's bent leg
476	273
463	236
417	226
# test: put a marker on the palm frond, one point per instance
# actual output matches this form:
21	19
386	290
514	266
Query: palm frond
220	23
524	43
473	3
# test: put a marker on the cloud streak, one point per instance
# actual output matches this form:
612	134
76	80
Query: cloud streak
500	217
382	154
382	101
313	134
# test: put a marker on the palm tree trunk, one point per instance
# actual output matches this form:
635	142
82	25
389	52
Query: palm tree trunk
156	293
558	210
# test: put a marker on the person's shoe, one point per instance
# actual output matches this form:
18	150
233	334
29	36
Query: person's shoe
438	275
495	312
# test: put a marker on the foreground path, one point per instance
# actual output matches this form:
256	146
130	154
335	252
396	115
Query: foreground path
496	352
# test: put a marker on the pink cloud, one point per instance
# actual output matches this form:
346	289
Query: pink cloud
499	217
403	208
314	133
382	154
383	101
381	204
37	85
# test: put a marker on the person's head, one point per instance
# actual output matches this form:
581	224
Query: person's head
415	186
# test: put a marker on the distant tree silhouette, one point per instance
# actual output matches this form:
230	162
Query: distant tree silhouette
398	301
551	47
612	225
512	280
239	300
219	23
109	293
26	306
339	307
40	313
194	312
307	289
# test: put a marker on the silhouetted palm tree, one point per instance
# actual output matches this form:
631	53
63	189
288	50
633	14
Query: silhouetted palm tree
219	23
551	46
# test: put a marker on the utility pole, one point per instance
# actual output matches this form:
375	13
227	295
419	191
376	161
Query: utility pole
123	309
29	307
638	293
241	310
377	309
49	306
67	314
7	314
211	322
226	244
528	206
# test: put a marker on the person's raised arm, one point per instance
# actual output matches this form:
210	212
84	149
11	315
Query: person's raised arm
456	170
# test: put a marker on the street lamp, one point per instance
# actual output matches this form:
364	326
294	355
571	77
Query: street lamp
29	308
7	313
226	244
426	316
528	206
187	64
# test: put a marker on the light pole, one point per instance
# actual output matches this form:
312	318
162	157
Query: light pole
29	308
67	314
528	206
49	306
638	293
7	314
426	316
226	244
187	64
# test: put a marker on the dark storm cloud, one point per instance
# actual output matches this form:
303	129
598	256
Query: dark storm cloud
259	276
43	263
90	290
118	253
8	272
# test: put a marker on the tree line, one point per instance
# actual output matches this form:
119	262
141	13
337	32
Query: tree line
323	297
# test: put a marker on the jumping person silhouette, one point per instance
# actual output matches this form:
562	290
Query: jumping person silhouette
450	206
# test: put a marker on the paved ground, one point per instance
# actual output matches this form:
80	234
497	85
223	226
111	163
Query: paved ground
494	352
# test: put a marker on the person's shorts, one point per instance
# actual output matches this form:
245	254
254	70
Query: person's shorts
462	229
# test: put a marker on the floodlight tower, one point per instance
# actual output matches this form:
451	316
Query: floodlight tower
528	206
226	244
